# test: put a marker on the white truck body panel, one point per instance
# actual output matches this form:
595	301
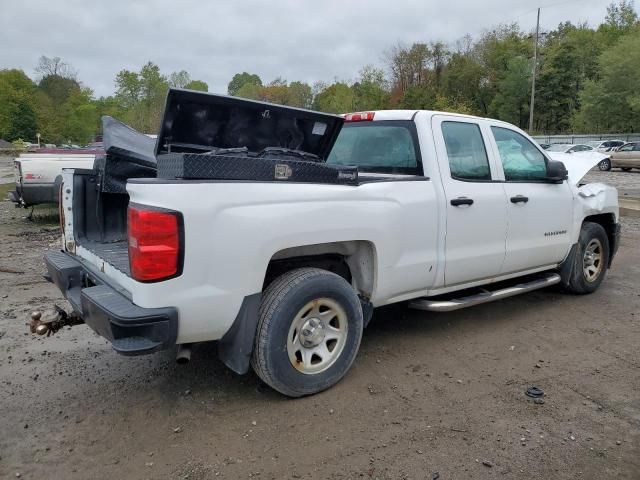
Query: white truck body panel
44	168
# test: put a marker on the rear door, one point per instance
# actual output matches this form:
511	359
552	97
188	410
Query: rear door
539	213
476	209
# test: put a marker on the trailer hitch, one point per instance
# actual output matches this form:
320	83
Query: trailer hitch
52	321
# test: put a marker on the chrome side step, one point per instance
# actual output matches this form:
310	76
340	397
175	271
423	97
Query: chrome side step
545	280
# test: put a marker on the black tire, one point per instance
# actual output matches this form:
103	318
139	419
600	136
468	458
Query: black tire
626	169
590	234
282	302
605	165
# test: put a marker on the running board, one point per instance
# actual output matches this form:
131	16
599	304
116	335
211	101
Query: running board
543	281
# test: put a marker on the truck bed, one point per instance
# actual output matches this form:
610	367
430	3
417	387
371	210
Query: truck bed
115	253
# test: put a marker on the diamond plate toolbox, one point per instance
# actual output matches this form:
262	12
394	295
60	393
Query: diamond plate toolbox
237	167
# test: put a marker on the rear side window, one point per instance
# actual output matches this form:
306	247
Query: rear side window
378	147
466	151
521	160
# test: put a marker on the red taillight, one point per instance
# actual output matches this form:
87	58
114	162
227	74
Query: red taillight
359	116
154	243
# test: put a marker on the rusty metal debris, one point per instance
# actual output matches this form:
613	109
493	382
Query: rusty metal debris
52	321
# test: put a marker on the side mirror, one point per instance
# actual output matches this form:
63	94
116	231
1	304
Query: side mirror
556	172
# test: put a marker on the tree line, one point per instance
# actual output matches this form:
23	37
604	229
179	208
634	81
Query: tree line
588	80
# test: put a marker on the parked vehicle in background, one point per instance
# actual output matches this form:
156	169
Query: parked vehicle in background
627	156
38	175
242	224
605	145
545	146
585	150
569	147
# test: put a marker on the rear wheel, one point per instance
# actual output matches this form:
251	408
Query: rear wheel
309	332
605	165
591	260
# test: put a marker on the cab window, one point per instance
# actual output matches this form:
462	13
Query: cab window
466	151
378	147
521	160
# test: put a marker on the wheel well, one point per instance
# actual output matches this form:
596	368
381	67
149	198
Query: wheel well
352	260
608	222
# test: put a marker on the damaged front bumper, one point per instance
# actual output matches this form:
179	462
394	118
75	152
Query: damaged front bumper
132	330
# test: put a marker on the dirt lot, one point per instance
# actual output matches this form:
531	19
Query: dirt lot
430	396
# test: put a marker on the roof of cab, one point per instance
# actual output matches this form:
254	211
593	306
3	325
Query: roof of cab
410	114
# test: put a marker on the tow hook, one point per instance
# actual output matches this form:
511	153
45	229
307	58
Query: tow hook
53	320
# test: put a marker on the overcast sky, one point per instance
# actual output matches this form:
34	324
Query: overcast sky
296	39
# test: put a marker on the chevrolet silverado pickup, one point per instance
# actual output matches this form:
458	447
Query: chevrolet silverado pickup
275	231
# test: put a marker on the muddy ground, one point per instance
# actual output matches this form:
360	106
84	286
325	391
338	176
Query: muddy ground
429	396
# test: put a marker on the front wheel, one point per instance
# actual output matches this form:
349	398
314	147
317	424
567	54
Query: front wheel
605	165
591	259
309	332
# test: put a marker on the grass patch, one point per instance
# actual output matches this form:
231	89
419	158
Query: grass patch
5	188
45	214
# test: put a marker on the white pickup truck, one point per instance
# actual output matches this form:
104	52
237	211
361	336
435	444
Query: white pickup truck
283	265
38	175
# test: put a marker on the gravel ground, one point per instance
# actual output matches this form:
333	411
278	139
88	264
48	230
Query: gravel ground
429	396
6	169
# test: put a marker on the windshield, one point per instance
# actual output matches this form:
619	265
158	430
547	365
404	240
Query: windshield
378	147
559	147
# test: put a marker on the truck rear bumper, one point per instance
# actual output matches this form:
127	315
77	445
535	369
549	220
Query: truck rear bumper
35	193
131	329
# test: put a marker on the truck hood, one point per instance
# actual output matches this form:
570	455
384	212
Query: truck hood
198	122
578	164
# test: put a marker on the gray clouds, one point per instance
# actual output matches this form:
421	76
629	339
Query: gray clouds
295	39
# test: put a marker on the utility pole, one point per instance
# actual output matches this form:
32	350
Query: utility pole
533	78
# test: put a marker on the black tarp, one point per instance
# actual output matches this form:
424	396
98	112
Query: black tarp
129	154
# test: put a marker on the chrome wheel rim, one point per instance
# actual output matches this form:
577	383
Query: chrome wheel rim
592	260
317	336
604	165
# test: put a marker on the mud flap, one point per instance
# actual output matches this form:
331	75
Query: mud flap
566	267
236	347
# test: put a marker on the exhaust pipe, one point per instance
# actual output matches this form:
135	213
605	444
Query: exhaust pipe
184	354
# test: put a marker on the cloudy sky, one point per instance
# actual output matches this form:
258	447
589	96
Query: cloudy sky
304	40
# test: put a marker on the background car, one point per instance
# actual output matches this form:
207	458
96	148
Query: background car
570	147
627	156
605	145
583	149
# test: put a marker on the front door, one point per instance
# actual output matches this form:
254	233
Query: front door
476	210
539	213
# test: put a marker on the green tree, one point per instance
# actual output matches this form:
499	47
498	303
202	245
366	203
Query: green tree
16	95
250	91
197	85
371	91
511	102
58	88
336	98
22	121
81	117
241	79
612	103
142	96
179	79
299	95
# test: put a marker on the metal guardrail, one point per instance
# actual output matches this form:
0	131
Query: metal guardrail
583	138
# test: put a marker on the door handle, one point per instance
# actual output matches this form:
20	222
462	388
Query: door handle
519	199
456	202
